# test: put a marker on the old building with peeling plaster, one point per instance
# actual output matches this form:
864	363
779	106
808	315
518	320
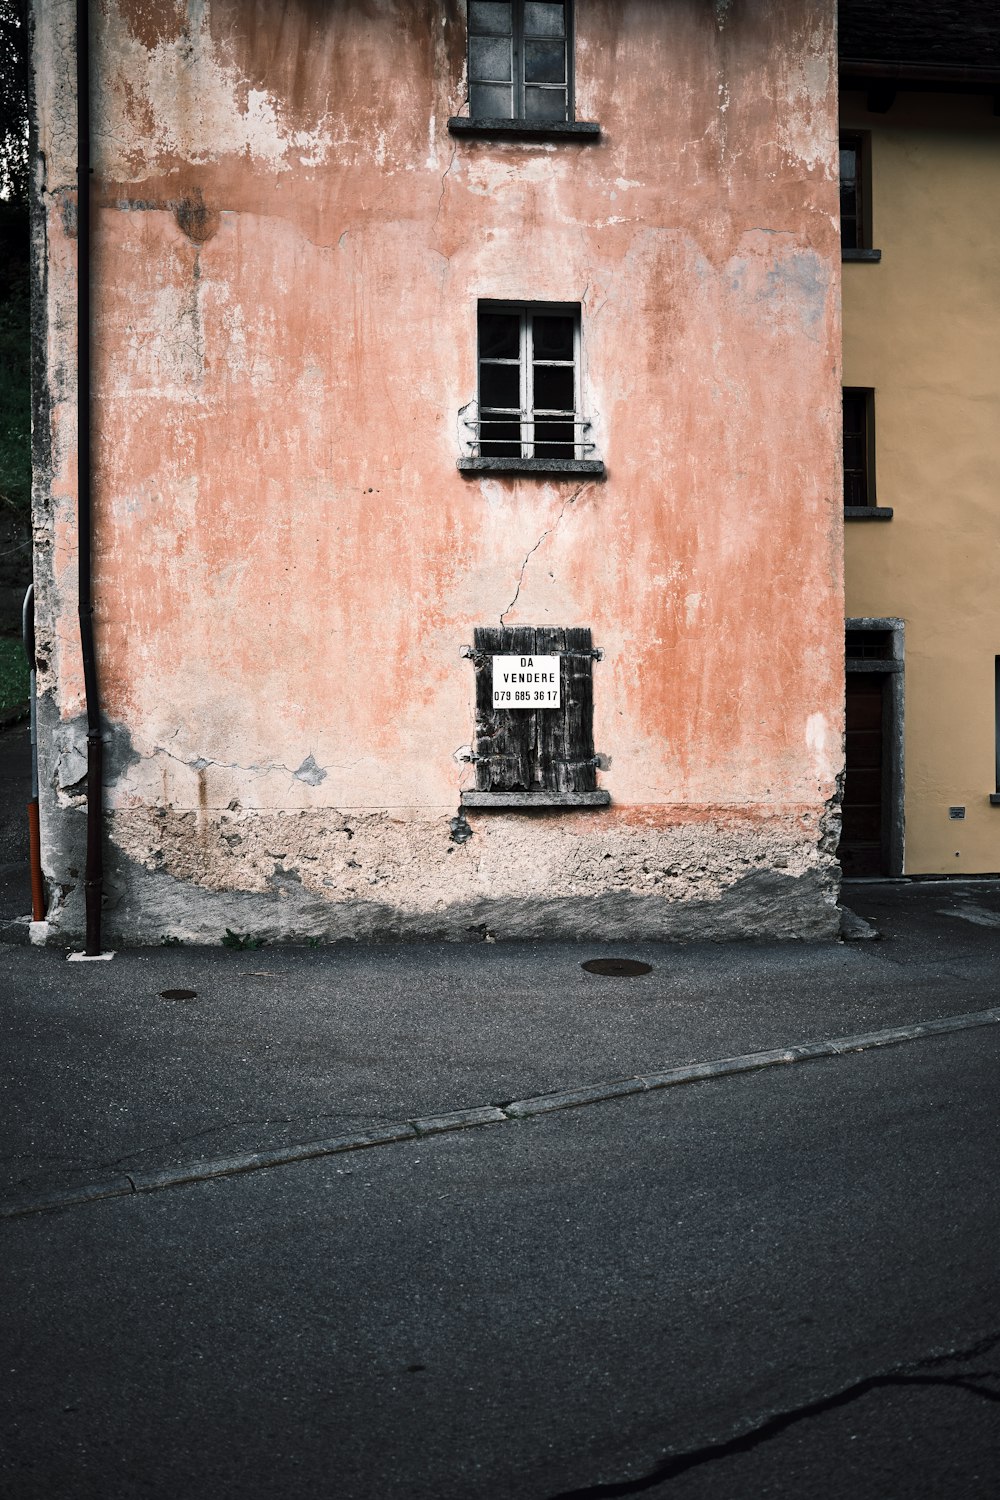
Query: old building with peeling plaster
395	373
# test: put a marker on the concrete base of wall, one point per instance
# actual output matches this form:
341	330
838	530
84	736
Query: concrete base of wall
641	873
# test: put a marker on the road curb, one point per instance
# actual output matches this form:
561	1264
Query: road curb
134	1184
280	1156
595	1093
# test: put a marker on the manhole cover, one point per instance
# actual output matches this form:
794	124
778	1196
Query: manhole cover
178	994
619	967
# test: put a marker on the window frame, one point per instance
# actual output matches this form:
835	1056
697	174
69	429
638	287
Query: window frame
858	246
517	123
861	399
519	84
867	509
528	416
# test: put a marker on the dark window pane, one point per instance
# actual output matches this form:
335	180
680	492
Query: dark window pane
873	645
499	335
490	17
851	232
855	488
554	388
499	439
491	101
489	58
544	20
854	450
854	411
848	169
856	479
544	104
500	385
554	440
544	62
552	337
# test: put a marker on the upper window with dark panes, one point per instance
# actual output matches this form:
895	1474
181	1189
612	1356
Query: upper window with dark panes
520	61
851	220
855	197
529	390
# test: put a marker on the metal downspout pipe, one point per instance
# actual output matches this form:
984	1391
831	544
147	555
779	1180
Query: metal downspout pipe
34	835
94	869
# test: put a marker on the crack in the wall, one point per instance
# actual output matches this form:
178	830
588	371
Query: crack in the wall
606	298
570	500
309	771
904	1375
444	178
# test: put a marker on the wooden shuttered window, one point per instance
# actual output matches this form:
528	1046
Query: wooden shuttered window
537	756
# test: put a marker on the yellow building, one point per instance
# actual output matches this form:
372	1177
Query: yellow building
920	168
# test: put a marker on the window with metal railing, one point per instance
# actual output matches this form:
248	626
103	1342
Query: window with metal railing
529	407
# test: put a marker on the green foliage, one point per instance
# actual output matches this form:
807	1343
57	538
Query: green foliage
15	309
14	682
14	100
241	940
15	397
169	941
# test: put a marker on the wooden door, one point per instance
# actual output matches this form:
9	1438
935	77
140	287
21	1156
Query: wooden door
863	838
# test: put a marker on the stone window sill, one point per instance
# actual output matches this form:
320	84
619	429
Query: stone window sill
867	512
532	466
535	799
995	799
526	130
871	257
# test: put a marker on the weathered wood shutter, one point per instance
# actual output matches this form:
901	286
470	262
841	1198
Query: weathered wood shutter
536	750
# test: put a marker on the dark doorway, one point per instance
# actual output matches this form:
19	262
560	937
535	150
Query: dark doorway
15	790
871	831
861	838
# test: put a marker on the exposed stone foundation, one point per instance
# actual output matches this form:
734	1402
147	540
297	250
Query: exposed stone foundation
677	874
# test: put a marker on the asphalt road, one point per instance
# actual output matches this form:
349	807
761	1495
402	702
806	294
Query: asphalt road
100	1073
783	1284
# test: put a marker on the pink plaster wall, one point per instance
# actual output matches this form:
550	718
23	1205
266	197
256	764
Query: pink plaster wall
288	559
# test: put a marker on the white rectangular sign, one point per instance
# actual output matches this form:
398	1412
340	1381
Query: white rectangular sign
526	682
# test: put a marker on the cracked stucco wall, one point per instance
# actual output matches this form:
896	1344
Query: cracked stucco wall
289	248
